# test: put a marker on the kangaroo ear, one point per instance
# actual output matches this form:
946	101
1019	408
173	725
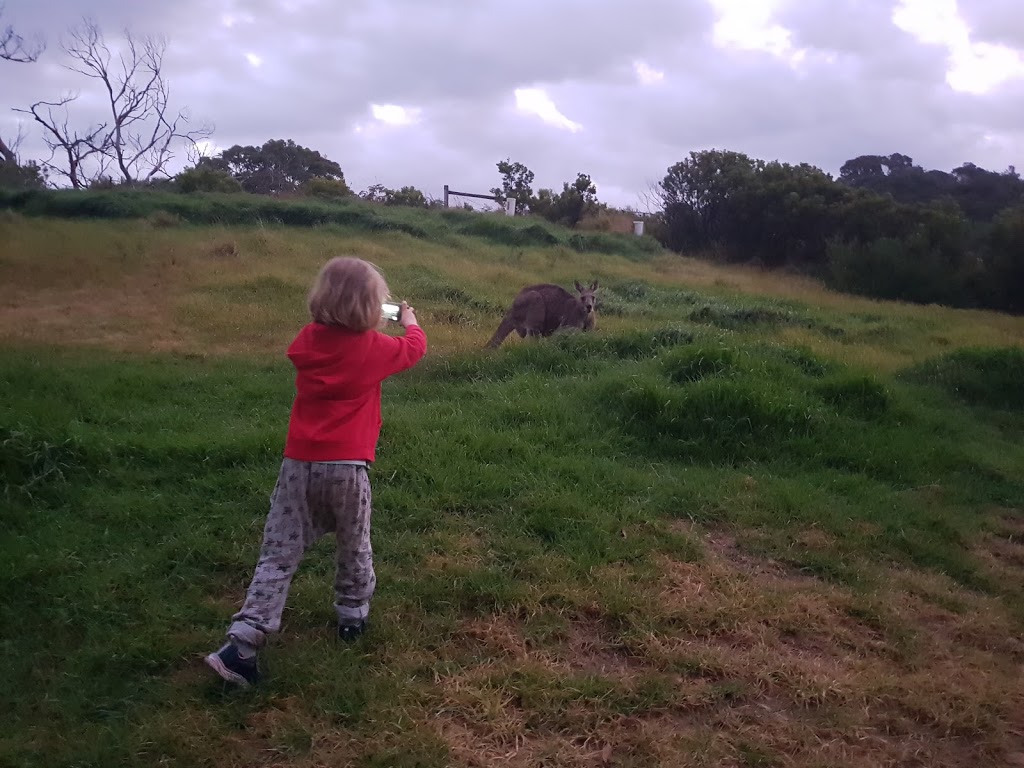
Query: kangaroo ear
578	286
594	286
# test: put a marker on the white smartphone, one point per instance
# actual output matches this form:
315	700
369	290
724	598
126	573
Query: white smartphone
391	311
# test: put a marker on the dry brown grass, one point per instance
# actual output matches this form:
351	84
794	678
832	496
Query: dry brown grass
738	660
130	286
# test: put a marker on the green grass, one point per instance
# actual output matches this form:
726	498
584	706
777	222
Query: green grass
726	528
135	492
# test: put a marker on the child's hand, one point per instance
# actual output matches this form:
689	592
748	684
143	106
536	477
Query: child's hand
407	316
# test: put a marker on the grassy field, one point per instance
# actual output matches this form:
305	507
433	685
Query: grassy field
746	523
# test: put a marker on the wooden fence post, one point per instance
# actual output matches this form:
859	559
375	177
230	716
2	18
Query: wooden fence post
448	192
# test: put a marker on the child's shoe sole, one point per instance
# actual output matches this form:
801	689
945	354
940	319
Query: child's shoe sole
214	662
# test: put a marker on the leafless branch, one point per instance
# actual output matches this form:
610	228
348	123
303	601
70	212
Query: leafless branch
142	134
13	46
650	199
198	150
74	148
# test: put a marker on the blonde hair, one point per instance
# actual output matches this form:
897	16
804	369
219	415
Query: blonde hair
348	292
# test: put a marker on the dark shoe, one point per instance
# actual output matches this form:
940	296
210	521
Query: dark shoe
232	667
350	632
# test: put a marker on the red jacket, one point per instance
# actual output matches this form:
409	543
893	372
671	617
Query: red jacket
336	413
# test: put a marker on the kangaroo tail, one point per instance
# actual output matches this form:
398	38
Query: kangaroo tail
507	326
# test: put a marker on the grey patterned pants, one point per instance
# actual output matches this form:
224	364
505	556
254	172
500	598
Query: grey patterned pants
309	500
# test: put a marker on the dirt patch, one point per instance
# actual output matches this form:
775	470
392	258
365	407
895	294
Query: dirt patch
587	650
1011	523
1008	550
725	553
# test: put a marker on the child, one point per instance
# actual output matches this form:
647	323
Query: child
340	360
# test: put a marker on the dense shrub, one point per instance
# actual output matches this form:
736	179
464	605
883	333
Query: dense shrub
205	179
886	228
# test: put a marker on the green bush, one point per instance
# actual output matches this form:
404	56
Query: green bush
205	179
325	189
911	269
14	177
504	231
240	209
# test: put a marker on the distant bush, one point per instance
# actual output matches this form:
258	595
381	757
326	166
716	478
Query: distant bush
408	196
1005	260
886	229
505	231
910	270
325	189
15	178
600	242
348	212
163	219
607	220
205	179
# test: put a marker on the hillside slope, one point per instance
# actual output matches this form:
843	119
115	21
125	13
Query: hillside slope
745	522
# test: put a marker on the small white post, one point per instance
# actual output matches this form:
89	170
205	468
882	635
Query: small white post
638	228
510	207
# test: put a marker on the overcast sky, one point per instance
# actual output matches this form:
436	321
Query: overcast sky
428	92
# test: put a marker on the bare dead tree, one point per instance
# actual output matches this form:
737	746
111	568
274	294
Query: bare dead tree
79	157
13	47
650	200
197	151
142	134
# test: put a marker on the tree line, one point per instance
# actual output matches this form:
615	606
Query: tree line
885	227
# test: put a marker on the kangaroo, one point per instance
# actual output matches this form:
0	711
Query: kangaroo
540	310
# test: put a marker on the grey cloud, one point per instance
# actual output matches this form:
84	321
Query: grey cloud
865	86
995	21
843	26
861	33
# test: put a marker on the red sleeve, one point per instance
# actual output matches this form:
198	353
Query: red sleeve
399	353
